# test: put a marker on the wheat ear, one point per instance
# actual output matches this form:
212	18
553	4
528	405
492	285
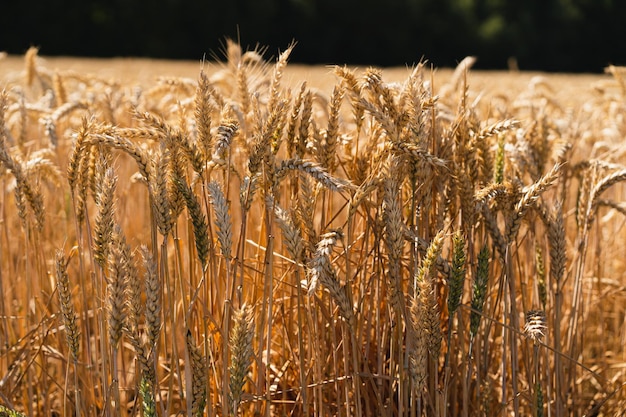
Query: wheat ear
153	297
117	280
599	188
291	233
5	411
269	131
24	190
67	306
73	167
134	309
304	131
292	124
148	403
281	63
222	219
202	114
104	222
535	329
425	290
198	220
241	355
316	172
322	271
197	363
479	290
329	154
394	240
457	275
541	277
159	193
529	198
141	156
30	59
225	134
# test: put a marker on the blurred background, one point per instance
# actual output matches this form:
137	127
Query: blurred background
546	35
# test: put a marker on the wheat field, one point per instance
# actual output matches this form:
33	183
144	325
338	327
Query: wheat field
254	238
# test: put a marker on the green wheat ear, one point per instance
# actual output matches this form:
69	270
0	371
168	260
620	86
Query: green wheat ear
539	399
147	398
498	175
7	412
457	273
480	289
198	221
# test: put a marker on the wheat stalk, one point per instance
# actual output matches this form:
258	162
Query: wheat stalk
541	278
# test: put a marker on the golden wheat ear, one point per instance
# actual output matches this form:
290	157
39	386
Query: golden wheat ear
240	343
70	318
222	219
198	377
105	218
322	272
394	236
30	59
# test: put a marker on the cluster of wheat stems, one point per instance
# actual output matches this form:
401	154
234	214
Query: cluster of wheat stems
229	245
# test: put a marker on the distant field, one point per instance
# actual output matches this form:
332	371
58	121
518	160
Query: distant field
262	238
567	88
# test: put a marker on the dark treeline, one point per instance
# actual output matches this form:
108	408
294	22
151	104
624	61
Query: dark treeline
549	35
